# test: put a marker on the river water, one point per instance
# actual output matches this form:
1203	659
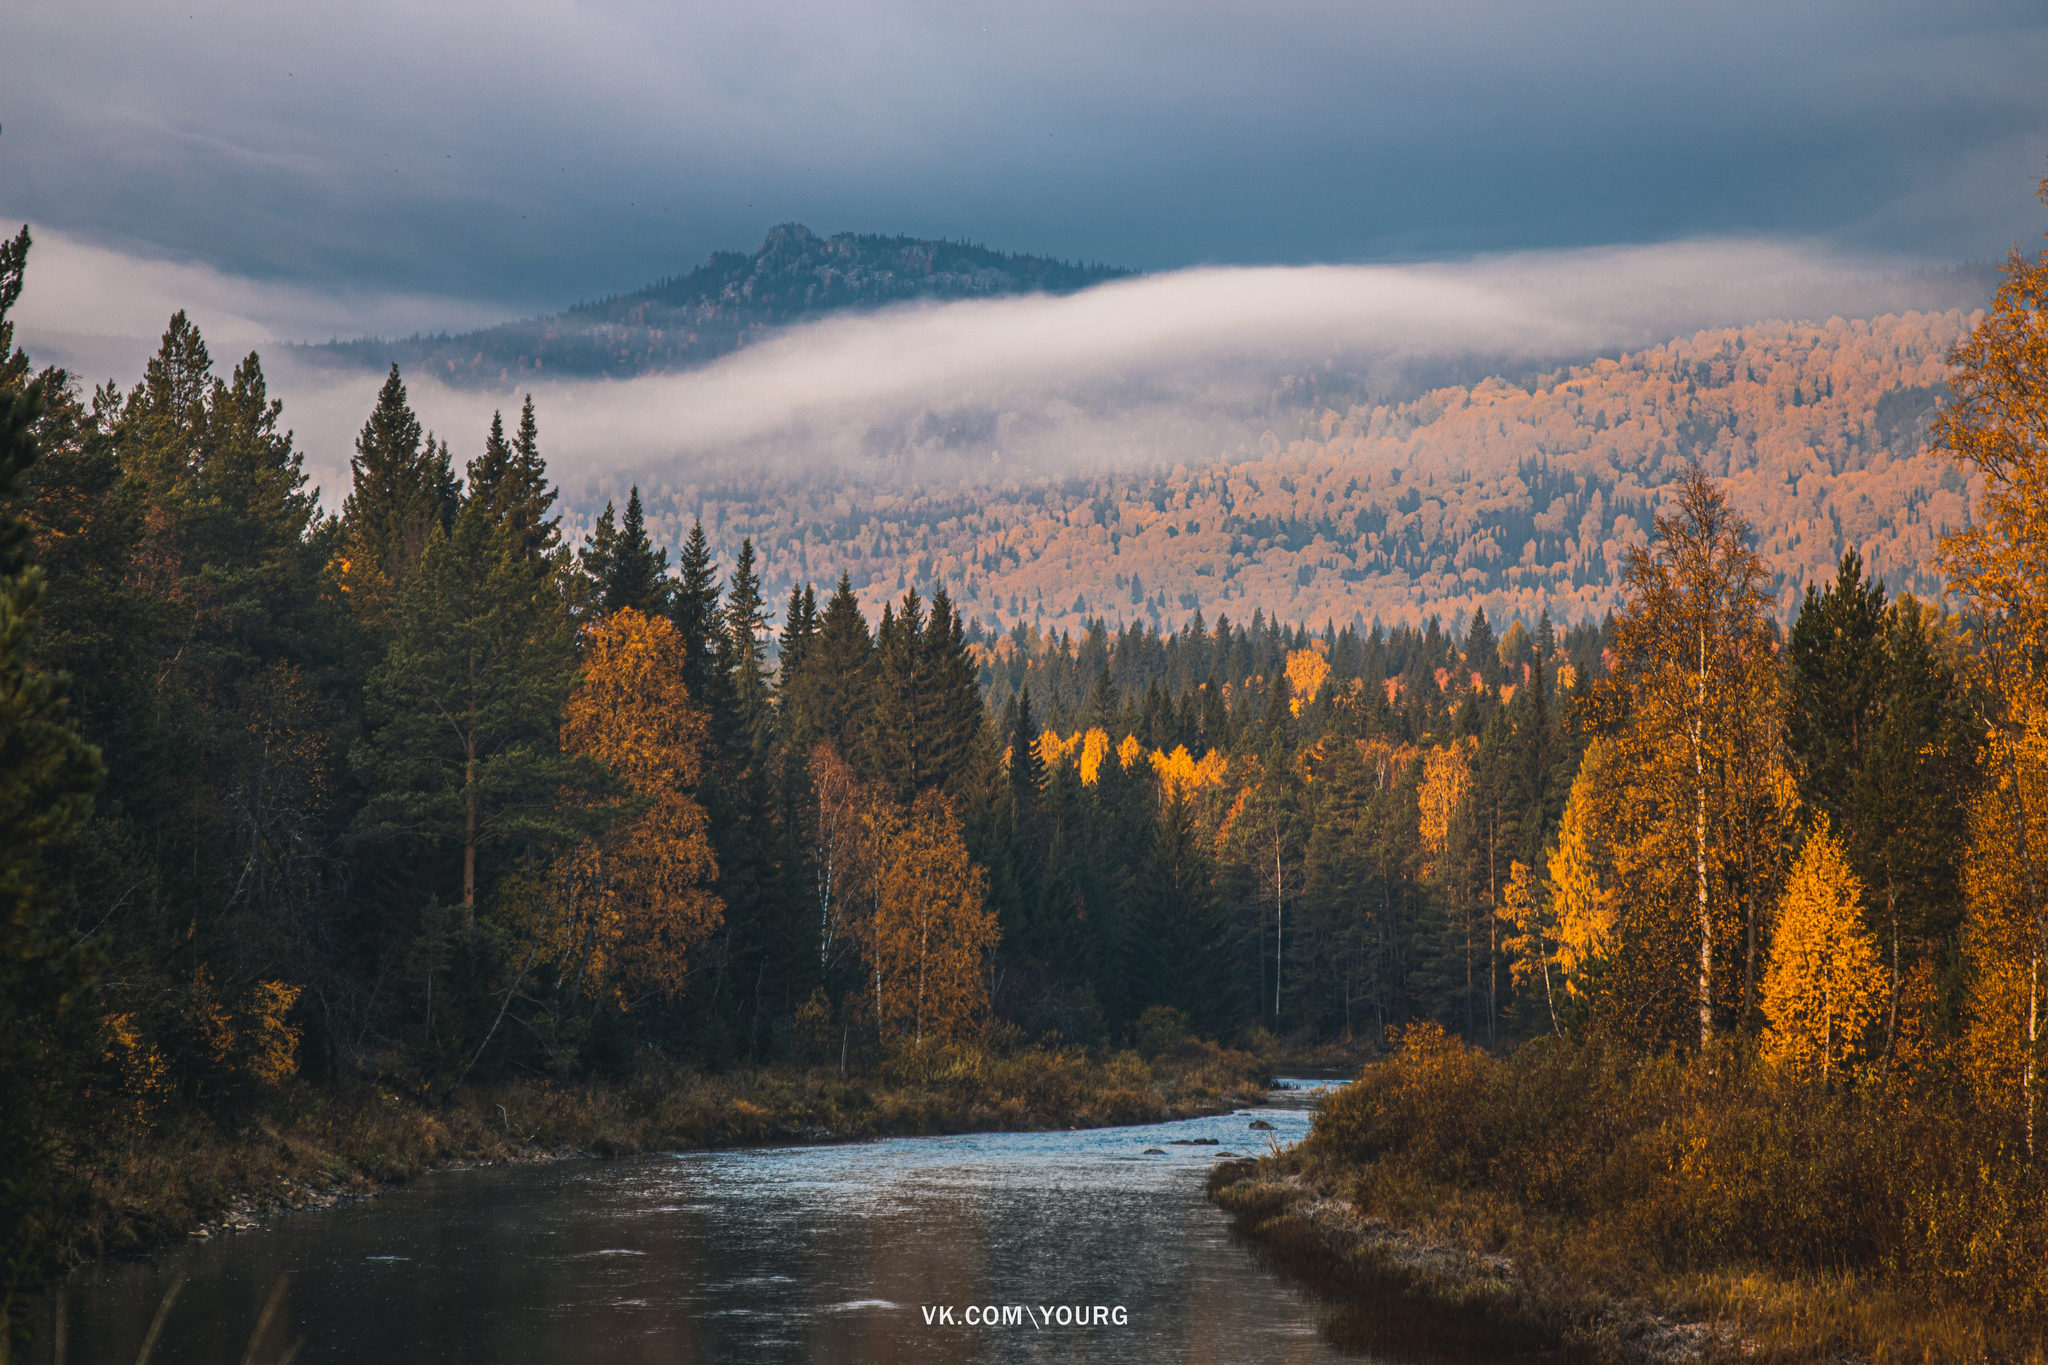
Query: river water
854	1253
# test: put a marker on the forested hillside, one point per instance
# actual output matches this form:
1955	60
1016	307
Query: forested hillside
429	793
1512	498
733	298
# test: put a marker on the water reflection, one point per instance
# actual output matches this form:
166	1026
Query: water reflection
829	1254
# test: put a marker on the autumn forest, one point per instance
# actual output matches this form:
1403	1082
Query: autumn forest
424	796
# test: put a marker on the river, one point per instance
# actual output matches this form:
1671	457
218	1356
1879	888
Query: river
853	1253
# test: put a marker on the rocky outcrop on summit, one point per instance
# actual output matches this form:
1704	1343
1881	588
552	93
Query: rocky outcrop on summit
730	300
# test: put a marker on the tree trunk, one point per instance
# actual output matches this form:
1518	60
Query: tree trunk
1699	835
1891	1023
1279	922
1492	929
1748	928
469	812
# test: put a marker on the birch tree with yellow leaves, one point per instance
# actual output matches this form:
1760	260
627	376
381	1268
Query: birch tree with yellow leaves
930	930
1692	716
1996	428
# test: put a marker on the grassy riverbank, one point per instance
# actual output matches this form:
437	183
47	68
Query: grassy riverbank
313	1145
1450	1205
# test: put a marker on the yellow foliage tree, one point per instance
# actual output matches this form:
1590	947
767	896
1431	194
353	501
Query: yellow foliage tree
1446	776
1306	669
1094	748
1181	776
2002	932
1582	903
1054	751
842	847
1693	716
629	906
1825	981
1996	427
929	931
1385	762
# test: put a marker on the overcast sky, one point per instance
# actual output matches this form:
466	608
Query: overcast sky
441	161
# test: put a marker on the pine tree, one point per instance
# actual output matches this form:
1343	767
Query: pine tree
463	711
47	778
510	480
839	671
746	661
1837	661
1482	651
402	495
1027	779
954	693
527	499
595	558
635	573
694	608
799	634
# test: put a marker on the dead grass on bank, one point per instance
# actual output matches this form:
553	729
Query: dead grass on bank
312	1146
1610	1211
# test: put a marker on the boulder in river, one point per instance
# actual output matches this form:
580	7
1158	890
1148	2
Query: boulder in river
1155	1151
1261	1125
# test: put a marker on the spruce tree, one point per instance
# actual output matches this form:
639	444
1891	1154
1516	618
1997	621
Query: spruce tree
1027	777
509	481
1215	716
635	573
1837	660
595	557
527	501
899	703
1105	707
1908	822
1482	652
746	661
1179	946
952	716
839	668
402	493
799	633
694	608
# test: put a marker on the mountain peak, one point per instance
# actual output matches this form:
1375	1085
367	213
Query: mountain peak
732	299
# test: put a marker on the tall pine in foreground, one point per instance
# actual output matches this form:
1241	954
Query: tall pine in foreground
461	753
47	778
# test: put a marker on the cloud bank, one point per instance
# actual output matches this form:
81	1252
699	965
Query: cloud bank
1182	367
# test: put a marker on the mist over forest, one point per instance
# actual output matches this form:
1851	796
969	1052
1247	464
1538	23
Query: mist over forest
923	413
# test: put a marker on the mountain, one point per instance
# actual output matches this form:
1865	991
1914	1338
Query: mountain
1517	497
731	299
